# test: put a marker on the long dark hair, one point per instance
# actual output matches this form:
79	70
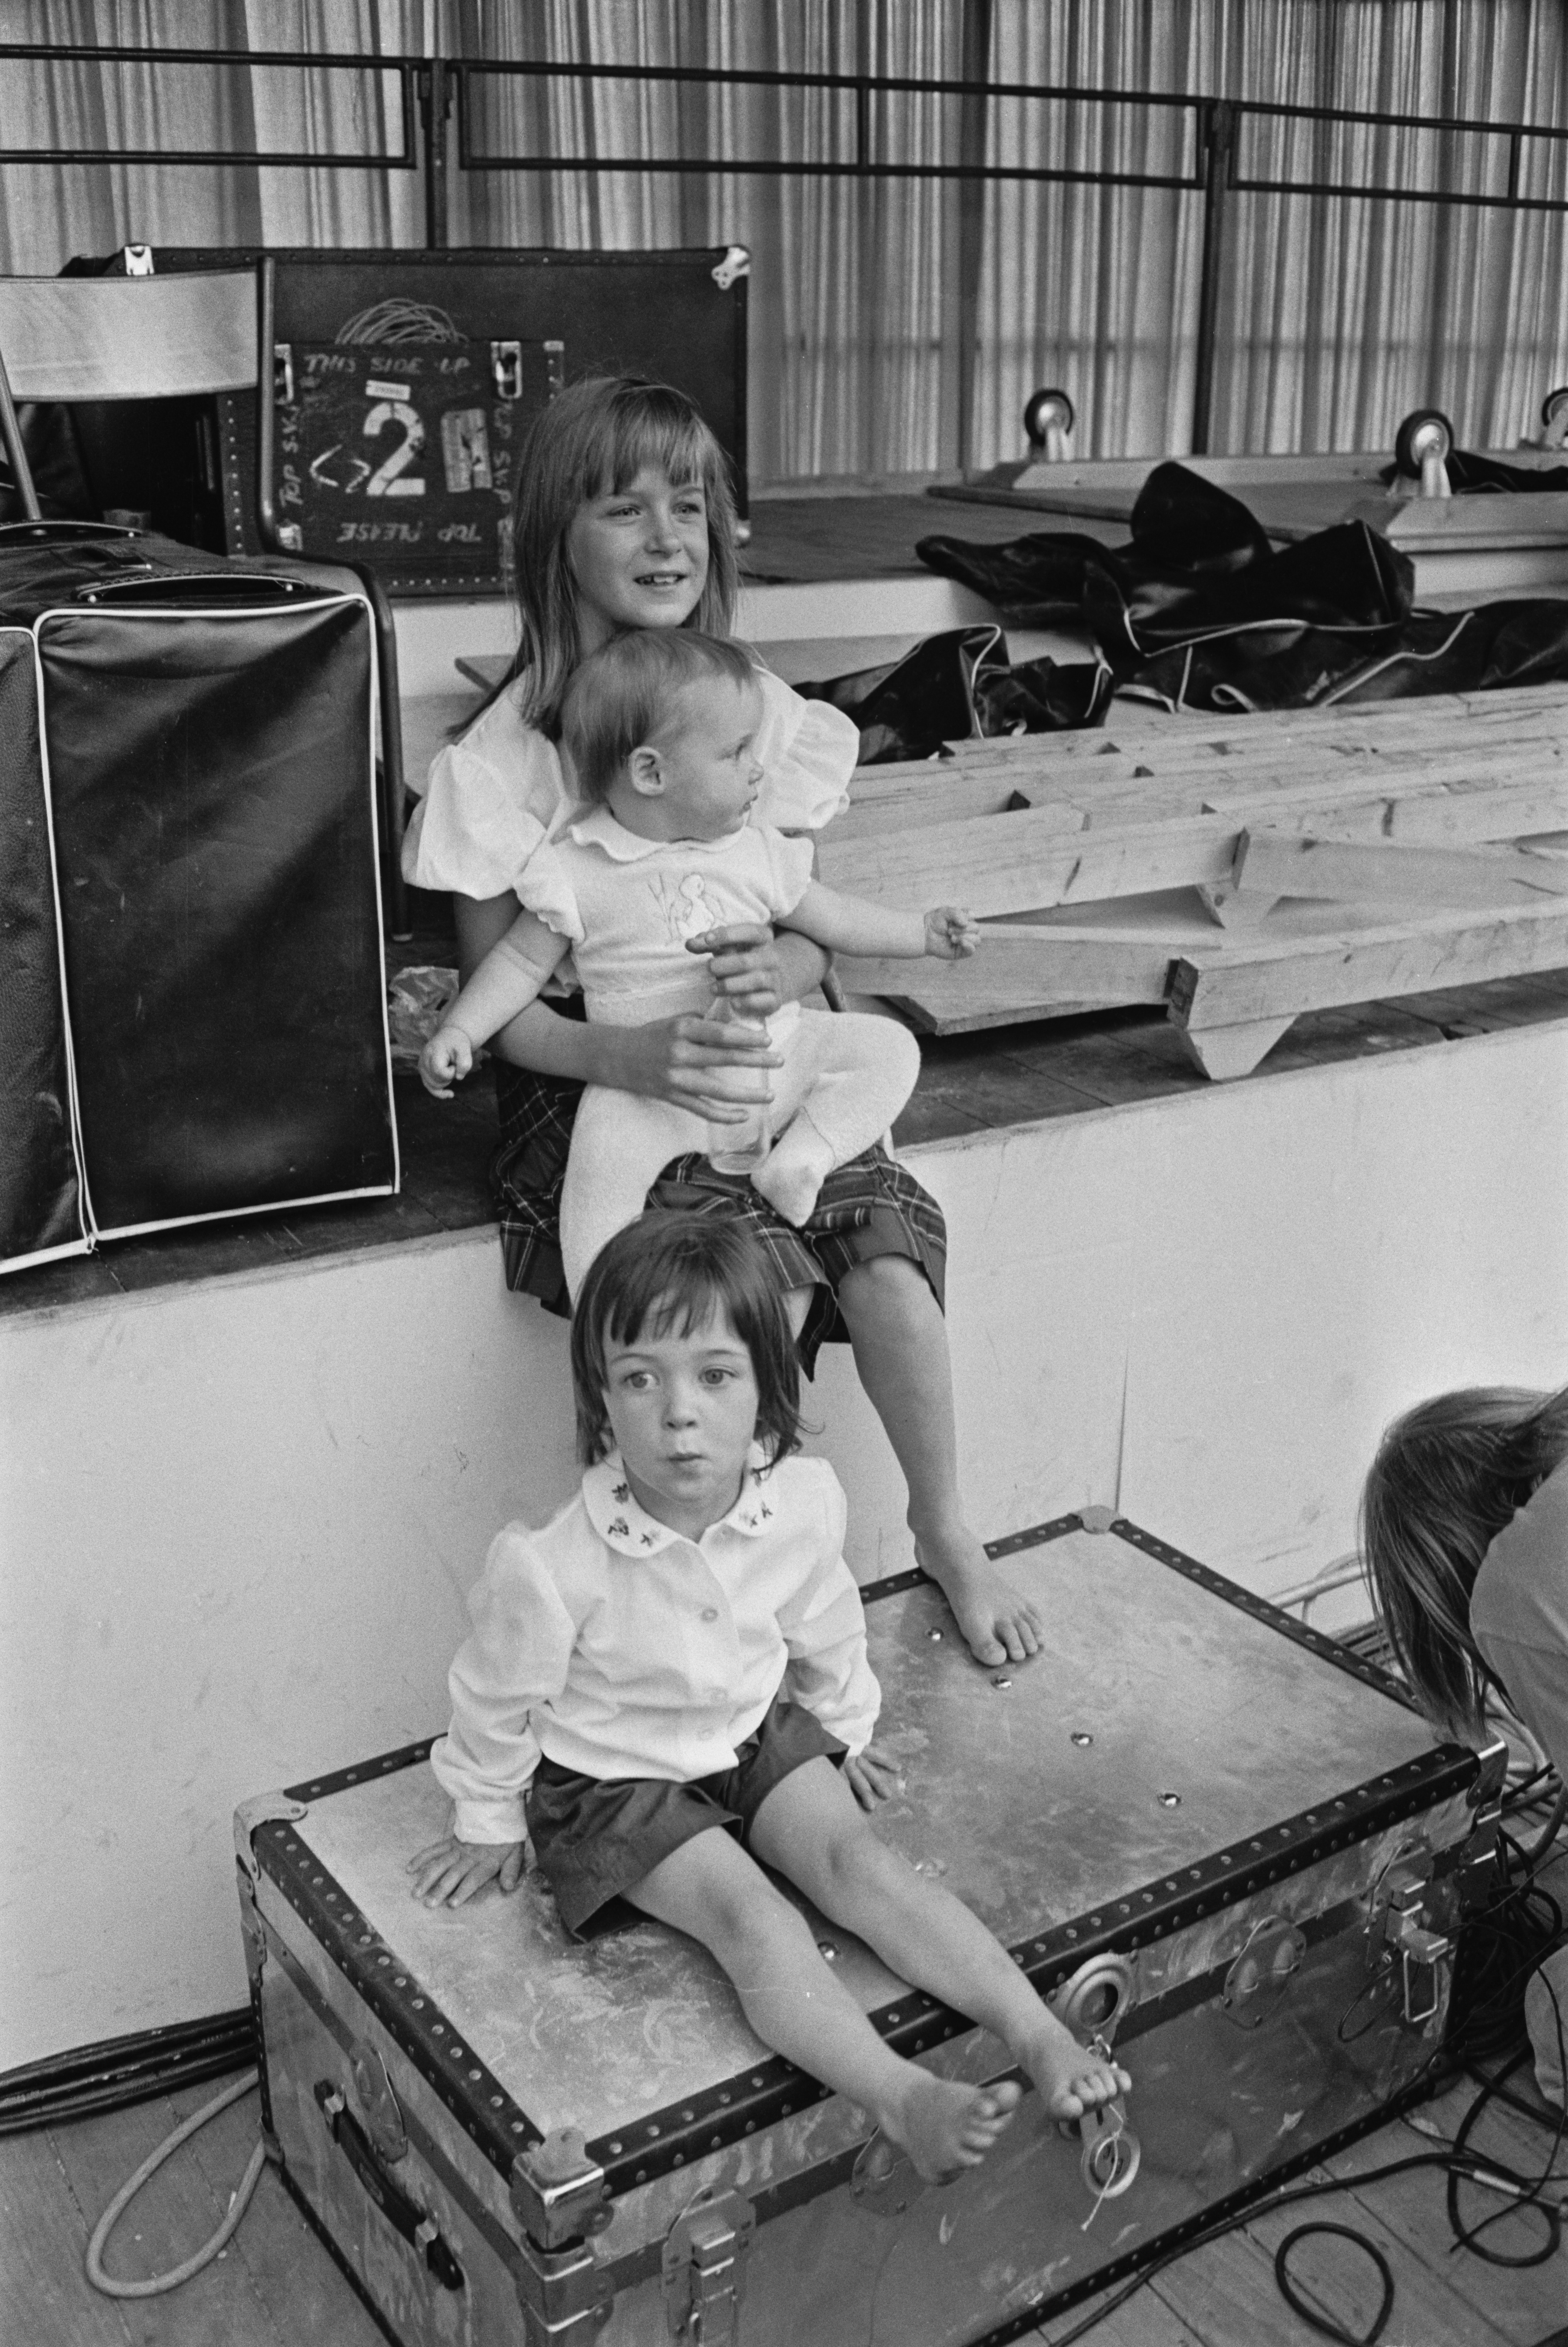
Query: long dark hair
1449	1476
670	1272
593	439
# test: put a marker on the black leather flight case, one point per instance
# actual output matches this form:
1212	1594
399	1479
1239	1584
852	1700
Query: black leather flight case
190	938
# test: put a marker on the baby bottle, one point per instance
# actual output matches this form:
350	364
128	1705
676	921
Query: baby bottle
740	1148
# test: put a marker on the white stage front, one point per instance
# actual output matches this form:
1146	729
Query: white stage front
240	1516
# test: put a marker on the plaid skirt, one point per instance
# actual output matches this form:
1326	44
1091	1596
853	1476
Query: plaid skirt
869	1207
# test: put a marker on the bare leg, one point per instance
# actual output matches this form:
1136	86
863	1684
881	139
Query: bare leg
711	1889
900	1341
810	1829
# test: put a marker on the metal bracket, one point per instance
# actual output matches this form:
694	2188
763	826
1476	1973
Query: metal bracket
261	1809
1399	1925
555	366
704	2265
1096	1999
1491	1774
558	2194
883	2180
284	374
1261	1972
1111	2154
137	259
506	369
382	2112
565	2296
736	263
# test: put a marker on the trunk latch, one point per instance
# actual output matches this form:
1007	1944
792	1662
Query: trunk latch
704	2261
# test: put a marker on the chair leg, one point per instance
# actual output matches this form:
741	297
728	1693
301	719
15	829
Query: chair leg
17	455
392	779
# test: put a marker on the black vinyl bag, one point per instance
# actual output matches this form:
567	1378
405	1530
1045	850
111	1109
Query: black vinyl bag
1201	611
195	1021
957	685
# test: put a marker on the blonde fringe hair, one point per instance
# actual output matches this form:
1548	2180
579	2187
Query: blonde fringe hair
1449	1476
592	441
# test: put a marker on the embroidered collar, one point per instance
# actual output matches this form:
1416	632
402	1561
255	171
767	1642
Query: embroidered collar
630	1531
598	828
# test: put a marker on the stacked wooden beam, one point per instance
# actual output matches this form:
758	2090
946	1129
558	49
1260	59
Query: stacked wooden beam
1240	870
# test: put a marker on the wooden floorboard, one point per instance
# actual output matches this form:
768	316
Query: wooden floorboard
175	2212
45	2298
309	2303
276	2286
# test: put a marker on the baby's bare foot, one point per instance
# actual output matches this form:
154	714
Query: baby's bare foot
999	1622
946	2127
1070	2079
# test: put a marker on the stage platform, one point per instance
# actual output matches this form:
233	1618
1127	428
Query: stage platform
254	1467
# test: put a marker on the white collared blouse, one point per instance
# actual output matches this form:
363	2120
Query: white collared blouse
618	1648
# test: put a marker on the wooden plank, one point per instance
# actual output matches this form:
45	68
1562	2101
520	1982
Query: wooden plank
941	797
293	2275
1422	817
1432	2307
46	2298
1225	2292
1522	2305
1224	1053
1382	872
1144	2322
1038	966
1265	980
175	2212
1021	862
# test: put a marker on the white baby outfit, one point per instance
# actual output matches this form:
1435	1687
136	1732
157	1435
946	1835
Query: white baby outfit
628	904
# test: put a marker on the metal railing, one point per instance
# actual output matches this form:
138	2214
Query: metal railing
1213	139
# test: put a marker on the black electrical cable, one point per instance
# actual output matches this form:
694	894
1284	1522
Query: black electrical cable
1325	2323
117	2072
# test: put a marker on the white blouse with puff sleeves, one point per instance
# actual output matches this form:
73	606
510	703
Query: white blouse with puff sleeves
493	796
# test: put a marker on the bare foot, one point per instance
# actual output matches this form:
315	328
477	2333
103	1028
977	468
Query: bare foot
1001	1625
1070	2079
945	2127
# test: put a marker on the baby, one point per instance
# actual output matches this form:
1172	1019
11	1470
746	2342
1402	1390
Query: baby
669	1681
659	724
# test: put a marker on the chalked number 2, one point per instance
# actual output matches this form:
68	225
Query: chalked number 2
385	481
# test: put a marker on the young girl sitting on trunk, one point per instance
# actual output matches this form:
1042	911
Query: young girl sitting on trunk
670	1682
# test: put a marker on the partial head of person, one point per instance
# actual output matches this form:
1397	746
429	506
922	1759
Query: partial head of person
682	1356
1449	1476
660	725
623	517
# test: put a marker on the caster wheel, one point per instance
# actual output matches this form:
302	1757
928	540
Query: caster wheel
1044	411
1553	406
1425	433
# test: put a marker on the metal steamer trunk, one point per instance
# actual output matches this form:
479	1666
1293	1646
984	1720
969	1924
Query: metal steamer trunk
1213	1837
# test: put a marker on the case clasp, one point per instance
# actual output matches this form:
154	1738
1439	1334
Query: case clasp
704	2263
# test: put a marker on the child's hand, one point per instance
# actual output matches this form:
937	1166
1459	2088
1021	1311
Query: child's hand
873	1776
449	1873
447	1058
951	933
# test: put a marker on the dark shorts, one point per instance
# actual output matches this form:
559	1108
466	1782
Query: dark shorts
594	1839
869	1207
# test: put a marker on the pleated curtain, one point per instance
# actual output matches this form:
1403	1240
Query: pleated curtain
897	326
